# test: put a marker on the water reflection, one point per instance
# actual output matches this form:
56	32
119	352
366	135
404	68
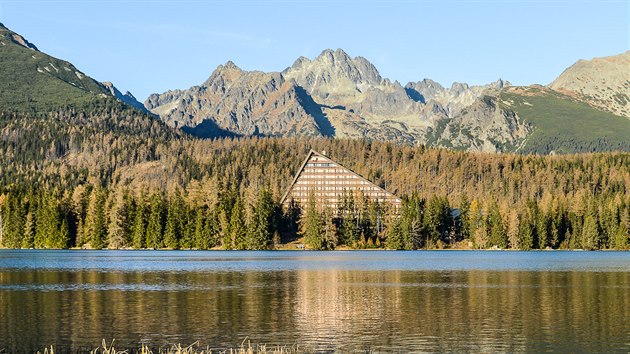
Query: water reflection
327	309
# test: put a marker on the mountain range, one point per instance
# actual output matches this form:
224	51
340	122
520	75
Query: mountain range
587	108
335	95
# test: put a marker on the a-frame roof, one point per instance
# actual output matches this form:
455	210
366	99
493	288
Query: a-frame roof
307	159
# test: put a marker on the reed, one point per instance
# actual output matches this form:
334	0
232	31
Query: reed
245	348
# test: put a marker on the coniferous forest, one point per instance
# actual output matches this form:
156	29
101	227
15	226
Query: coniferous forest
106	176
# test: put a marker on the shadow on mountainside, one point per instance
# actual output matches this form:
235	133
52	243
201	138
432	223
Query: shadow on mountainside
415	95
315	110
209	129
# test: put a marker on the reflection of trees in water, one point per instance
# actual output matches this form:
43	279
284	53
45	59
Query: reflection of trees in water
345	305
433	311
470	311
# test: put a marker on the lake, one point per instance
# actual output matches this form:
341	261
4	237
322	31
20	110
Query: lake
346	301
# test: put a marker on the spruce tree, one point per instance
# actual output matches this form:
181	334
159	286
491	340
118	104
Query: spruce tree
173	228
498	235
138	236
394	234
262	225
238	228
200	239
590	230
154	225
312	225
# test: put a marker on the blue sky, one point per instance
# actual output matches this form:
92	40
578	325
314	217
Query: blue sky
154	46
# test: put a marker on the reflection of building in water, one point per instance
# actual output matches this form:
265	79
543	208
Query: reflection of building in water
328	182
342	305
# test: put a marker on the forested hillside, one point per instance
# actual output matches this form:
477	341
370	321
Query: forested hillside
110	177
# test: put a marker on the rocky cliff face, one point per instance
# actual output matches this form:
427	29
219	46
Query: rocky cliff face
127	97
604	83
237	102
332	95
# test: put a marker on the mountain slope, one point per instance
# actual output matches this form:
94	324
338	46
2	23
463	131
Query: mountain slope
603	83
34	81
564	124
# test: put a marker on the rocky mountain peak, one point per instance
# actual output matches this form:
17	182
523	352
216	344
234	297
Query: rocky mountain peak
127	98
16	38
299	62
229	65
333	68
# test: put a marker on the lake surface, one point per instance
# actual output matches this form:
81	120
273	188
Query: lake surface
355	301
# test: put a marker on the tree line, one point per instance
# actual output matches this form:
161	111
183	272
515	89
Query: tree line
111	177
93	217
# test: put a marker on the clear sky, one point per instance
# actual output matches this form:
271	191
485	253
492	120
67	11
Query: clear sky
153	46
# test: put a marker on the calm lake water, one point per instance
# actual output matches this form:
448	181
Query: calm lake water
423	301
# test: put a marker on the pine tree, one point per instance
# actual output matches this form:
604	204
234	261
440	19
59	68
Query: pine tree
329	235
590	230
394	234
29	229
95	222
262	225
154	225
312	226
498	235
526	232
238	228
118	221
173	228
139	231
464	217
199	235
210	230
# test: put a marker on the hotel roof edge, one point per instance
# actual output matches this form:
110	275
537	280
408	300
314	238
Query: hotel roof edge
308	157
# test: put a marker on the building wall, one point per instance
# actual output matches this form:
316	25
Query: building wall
328	182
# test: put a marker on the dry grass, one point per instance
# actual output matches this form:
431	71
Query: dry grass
245	348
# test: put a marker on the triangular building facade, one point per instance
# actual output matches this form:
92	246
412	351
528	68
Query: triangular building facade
328	182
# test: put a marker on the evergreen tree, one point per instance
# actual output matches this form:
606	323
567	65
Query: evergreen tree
498	235
29	229
210	230
262	223
526	232
238	228
119	221
154	225
139	227
95	223
329	235
173	228
200	238
394	234
437	220
464	217
312	225
590	230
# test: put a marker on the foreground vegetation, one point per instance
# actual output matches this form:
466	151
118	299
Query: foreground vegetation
106	348
111	177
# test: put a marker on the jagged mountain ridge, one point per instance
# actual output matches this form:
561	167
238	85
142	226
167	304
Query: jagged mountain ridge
335	95
35	81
